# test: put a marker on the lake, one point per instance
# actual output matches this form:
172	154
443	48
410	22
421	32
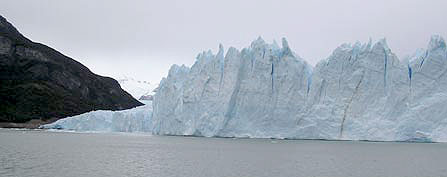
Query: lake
46	153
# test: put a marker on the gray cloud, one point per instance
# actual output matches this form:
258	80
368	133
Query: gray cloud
142	39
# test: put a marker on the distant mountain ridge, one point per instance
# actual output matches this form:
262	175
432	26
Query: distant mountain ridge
39	83
139	89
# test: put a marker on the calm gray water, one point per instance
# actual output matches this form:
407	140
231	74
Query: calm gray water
42	153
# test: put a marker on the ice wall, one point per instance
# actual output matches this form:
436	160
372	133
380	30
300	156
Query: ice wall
132	120
361	92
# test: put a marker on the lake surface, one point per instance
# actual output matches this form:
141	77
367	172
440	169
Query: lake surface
44	153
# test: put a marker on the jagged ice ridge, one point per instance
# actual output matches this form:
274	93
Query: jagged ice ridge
361	92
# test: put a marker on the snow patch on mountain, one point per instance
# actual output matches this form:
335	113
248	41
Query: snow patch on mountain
137	88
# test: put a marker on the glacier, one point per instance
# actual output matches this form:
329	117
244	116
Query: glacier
360	92
131	120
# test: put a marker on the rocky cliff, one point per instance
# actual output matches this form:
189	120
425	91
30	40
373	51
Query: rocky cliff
39	83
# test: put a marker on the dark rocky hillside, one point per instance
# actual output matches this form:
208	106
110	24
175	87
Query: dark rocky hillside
38	84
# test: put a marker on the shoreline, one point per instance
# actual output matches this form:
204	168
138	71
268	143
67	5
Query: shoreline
219	137
31	124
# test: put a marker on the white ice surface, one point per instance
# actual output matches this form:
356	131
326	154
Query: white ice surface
360	92
132	120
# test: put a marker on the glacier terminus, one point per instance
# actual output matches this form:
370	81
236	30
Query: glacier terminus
360	92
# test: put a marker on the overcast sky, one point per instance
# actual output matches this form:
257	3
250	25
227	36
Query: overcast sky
141	39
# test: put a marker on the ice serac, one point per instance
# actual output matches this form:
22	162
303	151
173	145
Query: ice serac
356	94
256	92
360	92
132	120
427	111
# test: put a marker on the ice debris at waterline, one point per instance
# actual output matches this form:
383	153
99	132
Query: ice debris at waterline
132	120
360	92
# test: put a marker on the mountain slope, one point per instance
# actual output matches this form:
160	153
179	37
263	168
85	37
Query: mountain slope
37	82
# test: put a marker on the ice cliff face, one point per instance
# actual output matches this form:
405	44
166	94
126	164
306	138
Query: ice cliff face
427	108
361	92
239	94
357	93
132	120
